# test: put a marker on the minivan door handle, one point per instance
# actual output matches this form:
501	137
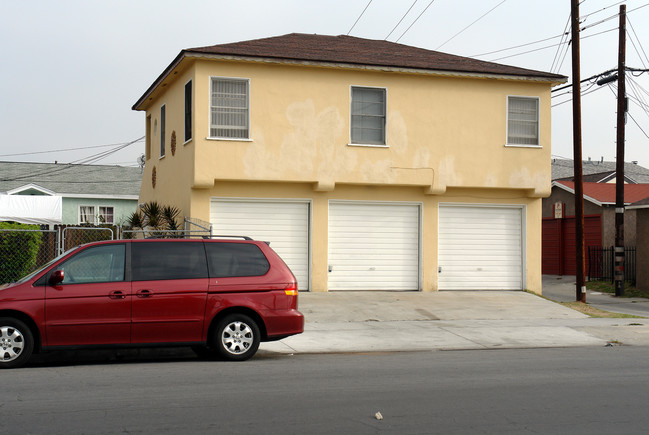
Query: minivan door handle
143	293
116	294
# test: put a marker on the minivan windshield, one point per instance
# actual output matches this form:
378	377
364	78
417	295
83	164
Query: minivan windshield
48	264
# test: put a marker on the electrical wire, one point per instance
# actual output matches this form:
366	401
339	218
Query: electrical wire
63	150
550	46
560	48
481	17
85	161
518	46
404	16
359	17
416	19
614	91
582	94
639	43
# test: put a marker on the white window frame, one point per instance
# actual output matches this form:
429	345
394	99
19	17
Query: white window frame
163	128
385	117
538	123
248	111
94	215
99	213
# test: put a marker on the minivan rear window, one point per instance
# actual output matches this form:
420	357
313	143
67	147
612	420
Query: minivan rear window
168	260
235	259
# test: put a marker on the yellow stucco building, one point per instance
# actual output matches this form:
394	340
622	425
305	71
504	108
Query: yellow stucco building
367	165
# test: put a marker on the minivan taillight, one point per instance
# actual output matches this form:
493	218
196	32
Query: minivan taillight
291	289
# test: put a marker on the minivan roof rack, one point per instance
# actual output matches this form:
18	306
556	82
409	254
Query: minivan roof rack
221	236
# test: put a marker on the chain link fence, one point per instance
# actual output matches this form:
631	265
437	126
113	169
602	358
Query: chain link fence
25	248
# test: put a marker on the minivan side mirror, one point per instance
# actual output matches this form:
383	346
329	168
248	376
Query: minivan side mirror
57	277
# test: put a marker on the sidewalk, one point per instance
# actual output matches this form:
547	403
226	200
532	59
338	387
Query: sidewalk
415	321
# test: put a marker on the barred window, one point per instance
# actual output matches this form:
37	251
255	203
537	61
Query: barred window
229	108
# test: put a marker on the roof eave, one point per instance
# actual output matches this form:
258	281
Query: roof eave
586	197
553	81
138	104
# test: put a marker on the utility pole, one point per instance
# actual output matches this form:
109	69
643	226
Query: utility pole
619	165
576	140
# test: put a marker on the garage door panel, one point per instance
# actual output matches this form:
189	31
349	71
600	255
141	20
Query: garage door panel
285	224
373	246
480	247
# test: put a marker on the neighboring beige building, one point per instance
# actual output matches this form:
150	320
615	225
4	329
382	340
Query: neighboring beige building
368	165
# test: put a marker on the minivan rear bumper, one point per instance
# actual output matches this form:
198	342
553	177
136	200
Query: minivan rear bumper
282	323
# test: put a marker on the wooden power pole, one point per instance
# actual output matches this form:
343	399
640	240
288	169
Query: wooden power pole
619	165
576	140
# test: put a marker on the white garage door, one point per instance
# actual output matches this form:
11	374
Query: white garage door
285	224
373	246
480	248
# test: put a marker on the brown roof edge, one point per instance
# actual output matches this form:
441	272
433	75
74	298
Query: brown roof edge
350	50
160	78
360	51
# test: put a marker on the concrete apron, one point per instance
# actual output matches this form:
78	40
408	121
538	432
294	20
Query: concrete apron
416	321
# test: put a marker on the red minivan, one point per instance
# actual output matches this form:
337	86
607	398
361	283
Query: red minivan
221	297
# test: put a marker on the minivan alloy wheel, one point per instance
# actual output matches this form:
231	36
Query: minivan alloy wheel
12	343
16	343
237	337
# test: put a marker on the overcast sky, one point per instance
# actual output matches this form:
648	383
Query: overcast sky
71	70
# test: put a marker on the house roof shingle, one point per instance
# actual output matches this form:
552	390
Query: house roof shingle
564	168
100	180
360	51
350	50
605	192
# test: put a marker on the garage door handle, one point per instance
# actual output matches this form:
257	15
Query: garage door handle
116	294
143	293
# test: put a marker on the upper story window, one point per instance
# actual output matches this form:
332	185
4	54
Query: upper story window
368	115
523	121
230	108
163	111
188	111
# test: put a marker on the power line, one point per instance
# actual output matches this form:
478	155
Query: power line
550	46
359	17
554	37
404	16
87	160
63	150
639	43
560	48
416	19
481	17
518	46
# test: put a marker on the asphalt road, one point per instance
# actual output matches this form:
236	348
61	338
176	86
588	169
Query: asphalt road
577	390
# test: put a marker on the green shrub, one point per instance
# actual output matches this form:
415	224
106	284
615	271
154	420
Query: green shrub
18	250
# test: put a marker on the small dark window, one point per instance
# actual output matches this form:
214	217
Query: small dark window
188	111
103	263
163	116
235	259
168	260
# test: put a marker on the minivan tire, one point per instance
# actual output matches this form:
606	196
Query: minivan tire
16	343
236	337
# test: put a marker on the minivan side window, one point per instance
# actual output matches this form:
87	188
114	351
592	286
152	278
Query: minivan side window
103	263
167	260
235	259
